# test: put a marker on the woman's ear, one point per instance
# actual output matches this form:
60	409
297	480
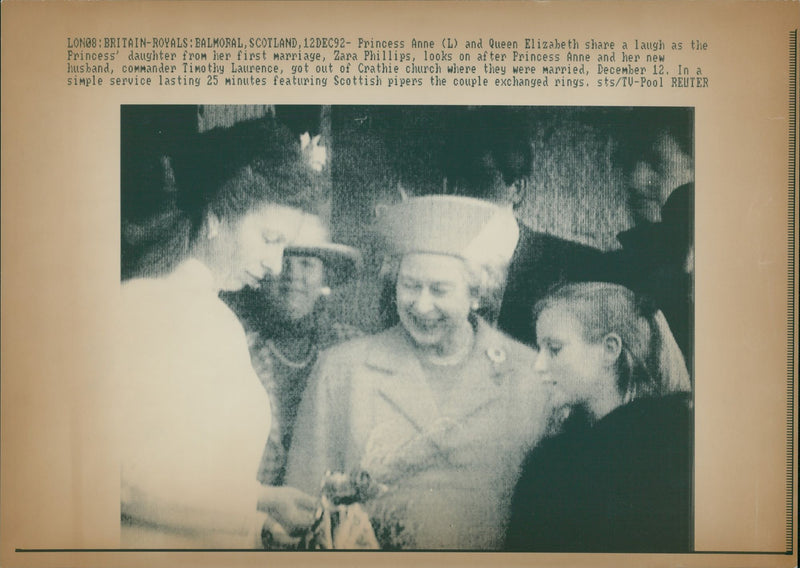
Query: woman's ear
612	348
474	297
213	224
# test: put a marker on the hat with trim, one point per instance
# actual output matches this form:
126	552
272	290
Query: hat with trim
464	227
342	263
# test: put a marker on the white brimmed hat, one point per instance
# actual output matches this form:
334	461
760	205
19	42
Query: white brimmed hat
463	227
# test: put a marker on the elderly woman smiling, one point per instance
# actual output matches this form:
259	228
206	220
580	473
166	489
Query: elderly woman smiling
440	409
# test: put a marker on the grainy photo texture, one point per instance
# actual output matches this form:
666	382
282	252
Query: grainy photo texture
407	328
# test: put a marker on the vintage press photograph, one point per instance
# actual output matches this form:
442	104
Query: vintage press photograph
406	328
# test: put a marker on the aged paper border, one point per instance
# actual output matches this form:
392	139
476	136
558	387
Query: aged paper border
60	252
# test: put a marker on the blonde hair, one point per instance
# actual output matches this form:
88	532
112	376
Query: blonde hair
650	362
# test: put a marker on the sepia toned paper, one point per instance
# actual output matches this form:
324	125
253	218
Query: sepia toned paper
61	250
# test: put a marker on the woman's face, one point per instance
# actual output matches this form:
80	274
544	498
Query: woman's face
433	299
575	366
251	247
300	285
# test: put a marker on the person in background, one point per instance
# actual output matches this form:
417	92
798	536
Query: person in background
657	254
288	323
490	157
617	475
192	416
439	410
657	259
655	151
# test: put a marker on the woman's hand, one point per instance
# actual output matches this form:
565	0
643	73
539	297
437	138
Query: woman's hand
290	514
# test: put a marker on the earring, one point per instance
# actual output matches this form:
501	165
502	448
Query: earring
475	305
325	291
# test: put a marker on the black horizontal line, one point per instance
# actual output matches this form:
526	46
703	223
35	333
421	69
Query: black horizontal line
54	550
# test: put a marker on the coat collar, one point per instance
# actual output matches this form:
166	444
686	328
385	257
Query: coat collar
194	274
401	379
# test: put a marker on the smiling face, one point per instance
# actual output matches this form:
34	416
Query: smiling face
577	367
245	250
433	300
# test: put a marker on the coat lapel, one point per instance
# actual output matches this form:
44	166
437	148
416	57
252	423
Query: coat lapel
400	380
484	376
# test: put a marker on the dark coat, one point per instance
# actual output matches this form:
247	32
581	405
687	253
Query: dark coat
623	484
652	262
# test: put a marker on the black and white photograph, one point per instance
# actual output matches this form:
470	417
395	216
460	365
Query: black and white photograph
406	328
386	283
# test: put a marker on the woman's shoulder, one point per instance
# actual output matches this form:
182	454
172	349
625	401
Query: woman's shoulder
343	368
657	426
520	351
571	432
190	282
655	412
336	332
142	291
359	348
514	350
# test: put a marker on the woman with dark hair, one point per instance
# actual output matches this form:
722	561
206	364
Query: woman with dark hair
193	417
617	477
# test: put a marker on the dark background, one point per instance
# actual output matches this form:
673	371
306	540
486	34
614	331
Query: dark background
576	189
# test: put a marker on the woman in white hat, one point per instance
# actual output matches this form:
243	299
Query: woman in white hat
440	409
288	322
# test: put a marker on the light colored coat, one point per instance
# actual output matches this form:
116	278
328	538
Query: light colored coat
191	419
449	470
